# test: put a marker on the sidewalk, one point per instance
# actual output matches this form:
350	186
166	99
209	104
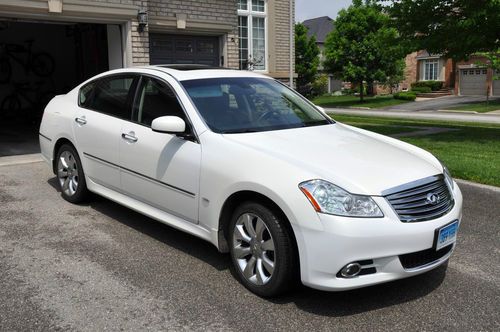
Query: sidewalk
424	115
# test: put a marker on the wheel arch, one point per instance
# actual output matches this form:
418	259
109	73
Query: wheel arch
233	201
57	145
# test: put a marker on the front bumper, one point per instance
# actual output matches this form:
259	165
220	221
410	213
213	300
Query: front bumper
343	240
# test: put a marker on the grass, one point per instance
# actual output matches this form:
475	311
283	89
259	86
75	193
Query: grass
471	152
493	105
348	101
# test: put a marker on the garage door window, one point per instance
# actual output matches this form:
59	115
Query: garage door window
252	27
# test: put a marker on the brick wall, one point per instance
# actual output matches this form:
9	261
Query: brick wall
411	70
282	35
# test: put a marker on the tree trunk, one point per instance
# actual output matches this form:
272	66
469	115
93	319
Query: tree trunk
361	91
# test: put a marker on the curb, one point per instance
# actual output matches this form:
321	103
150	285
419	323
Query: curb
20	159
478	185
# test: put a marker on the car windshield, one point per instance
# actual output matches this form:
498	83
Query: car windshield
247	104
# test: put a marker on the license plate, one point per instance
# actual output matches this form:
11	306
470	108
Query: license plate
446	235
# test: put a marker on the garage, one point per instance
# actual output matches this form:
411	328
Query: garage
473	81
41	59
496	85
183	49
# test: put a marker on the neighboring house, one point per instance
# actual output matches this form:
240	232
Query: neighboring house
82	38
463	78
320	27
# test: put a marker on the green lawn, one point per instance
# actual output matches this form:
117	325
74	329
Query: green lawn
348	101
472	152
493	105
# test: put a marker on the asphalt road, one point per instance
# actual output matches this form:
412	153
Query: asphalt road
102	267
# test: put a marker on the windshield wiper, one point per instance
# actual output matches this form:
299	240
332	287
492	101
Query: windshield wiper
239	131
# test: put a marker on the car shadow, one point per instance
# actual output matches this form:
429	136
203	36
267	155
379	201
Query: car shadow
334	304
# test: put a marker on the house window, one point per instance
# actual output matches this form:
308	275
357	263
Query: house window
431	71
252	25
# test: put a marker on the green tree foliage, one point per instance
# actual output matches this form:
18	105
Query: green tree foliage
456	29
364	47
306	58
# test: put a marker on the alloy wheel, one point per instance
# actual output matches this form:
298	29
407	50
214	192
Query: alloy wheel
253	249
67	173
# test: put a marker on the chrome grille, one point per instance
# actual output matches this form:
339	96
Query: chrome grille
421	200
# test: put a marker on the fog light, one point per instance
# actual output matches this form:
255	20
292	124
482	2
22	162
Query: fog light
350	270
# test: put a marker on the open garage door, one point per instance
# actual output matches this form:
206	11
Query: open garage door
473	81
39	60
183	49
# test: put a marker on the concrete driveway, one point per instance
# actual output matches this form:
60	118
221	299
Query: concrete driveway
441	103
100	266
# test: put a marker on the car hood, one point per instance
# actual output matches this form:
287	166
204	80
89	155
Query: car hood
357	160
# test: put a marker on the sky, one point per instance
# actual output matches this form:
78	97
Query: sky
306	9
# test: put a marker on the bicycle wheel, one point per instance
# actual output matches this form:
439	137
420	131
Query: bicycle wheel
11	105
5	71
42	64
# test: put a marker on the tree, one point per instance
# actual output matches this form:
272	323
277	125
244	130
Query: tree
306	58
394	75
363	47
456	29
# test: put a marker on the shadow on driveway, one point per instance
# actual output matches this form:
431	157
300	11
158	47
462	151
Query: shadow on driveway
334	304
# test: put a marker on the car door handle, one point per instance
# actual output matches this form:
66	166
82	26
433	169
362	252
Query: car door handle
81	120
130	137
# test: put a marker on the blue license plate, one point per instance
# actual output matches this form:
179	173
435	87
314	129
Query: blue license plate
447	235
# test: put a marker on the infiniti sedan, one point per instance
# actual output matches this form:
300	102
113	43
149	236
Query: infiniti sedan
242	161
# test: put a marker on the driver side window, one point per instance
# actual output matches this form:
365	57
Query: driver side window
155	99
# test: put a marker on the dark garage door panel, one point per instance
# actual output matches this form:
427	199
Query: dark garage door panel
181	49
472	81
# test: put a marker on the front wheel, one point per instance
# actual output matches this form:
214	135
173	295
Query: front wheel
70	175
262	250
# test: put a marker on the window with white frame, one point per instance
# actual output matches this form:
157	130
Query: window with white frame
431	70
252	24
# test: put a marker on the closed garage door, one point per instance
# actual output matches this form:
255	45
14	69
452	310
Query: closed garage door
473	81
180	49
496	85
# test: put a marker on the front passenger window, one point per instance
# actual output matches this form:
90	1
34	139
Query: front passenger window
156	99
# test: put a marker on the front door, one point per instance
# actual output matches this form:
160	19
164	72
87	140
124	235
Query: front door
159	169
104	105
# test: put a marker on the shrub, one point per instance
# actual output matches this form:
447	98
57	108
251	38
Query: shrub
405	96
320	85
421	89
434	85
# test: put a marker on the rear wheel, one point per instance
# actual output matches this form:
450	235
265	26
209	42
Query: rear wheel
70	175
262	250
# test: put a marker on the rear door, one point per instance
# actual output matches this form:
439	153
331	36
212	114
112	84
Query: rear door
160	169
104	106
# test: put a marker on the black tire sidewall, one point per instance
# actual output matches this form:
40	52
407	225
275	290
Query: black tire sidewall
284	276
82	191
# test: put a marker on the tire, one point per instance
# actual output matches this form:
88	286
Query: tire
265	268
5	71
70	175
42	64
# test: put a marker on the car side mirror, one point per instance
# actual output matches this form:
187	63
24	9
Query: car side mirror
169	125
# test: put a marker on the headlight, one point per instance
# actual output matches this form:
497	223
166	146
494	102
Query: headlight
328	198
447	177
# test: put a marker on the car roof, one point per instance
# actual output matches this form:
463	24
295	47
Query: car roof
191	72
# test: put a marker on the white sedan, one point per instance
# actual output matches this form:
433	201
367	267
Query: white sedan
244	162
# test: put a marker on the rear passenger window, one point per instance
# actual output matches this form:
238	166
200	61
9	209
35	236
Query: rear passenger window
111	95
85	95
156	99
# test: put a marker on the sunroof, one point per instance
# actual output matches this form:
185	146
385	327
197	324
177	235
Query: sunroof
189	67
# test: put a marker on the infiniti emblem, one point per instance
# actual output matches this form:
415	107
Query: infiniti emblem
432	198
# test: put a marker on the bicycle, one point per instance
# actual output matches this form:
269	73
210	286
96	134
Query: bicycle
24	94
40	63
